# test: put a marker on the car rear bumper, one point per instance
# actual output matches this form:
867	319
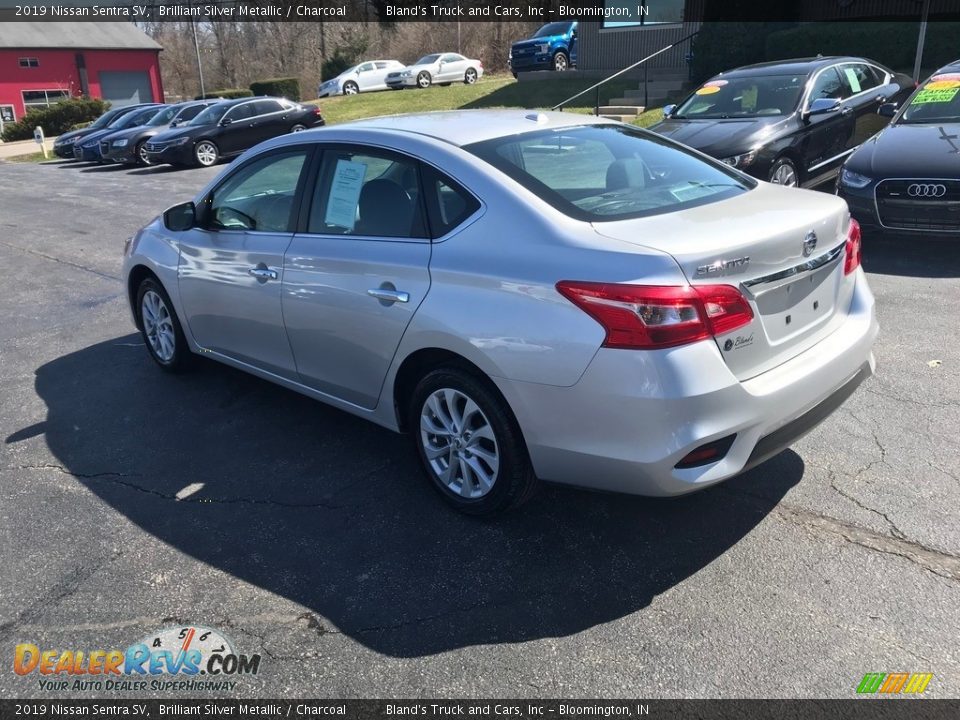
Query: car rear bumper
633	415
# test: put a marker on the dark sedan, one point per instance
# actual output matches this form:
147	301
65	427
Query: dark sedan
128	146
906	180
790	122
88	148
65	143
230	128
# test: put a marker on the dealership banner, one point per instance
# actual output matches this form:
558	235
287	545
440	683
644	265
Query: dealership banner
494	709
613	14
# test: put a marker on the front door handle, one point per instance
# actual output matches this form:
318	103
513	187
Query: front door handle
263	273
846	111
389	296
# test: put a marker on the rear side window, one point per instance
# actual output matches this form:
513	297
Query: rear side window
859	77
369	193
448	204
610	172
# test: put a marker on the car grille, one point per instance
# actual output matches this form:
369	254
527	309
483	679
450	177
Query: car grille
393	75
155	147
919	204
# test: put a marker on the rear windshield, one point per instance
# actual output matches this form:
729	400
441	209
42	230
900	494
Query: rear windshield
610	172
938	101
757	96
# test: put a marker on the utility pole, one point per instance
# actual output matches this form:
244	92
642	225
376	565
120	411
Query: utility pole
921	39
196	46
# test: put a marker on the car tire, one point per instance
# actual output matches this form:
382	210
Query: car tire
484	469
350	88
444	84
299	127
561	63
140	154
206	153
470	76
424	79
160	327
784	172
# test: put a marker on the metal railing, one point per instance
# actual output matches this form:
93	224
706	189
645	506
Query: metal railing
596	86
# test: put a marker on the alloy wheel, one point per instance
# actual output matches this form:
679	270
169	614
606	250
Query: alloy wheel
298	128
158	326
459	443
350	89
471	77
423	80
142	154
560	62
784	175
206	154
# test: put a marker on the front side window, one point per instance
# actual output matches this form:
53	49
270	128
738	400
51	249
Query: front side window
211	115
259	196
190	112
608	172
241	112
163	117
366	67
829	86
369	193
744	97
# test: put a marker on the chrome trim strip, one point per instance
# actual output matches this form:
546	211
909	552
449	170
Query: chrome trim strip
830	160
785	277
876	205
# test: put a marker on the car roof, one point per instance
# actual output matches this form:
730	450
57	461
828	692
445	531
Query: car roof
463	127
949	68
795	66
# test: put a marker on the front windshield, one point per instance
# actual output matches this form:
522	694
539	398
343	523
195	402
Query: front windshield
211	116
609	172
555	28
938	101
427	60
737	97
163	117
104	120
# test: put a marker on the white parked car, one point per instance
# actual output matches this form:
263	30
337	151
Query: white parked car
439	68
365	77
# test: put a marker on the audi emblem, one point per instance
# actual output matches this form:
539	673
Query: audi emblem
809	243
926	190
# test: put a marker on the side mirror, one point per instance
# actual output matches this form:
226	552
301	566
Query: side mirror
823	106
225	122
180	217
887	109
668	110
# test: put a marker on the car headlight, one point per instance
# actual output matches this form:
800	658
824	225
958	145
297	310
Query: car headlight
77	141
742	160
120	143
179	141
543	47
852	179
406	73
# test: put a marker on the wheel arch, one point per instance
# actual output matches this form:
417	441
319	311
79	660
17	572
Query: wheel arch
139	273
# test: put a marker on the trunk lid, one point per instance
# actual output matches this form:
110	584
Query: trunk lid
782	247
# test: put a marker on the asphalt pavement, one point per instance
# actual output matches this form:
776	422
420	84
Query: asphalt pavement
132	501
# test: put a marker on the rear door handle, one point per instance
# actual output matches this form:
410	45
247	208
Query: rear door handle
263	273
391	296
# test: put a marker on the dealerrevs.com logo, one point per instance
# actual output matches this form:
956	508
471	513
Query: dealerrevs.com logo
175	658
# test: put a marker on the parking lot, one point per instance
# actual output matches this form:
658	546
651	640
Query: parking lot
315	541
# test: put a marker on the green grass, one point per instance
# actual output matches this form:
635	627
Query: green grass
495	91
31	158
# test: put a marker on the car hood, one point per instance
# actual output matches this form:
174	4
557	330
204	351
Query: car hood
533	42
96	135
140	131
74	134
721	138
910	151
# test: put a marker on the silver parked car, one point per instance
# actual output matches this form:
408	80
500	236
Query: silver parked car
364	77
528	295
439	69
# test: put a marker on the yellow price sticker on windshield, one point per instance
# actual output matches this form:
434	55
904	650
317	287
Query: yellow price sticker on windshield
708	90
942	85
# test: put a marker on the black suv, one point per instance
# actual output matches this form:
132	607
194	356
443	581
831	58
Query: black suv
790	122
228	129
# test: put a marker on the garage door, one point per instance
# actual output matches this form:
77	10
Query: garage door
125	88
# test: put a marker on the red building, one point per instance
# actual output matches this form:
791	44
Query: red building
44	62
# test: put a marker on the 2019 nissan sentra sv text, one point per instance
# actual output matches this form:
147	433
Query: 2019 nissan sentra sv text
527	295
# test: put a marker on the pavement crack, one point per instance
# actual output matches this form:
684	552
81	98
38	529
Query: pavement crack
894	529
78	266
935	561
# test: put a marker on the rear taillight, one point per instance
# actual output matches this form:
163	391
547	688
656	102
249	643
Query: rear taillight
316	109
645	317
853	249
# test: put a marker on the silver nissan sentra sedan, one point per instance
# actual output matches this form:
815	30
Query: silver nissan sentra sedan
528	295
